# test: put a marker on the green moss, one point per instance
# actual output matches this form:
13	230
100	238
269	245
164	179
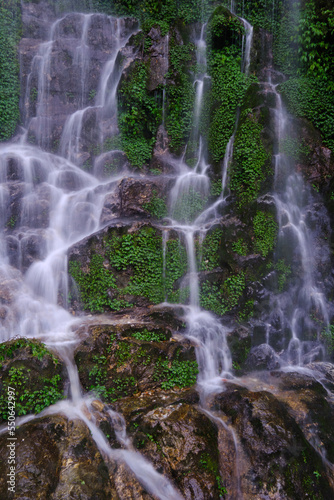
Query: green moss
240	247
250	161
150	336
94	285
140	251
265	232
37	349
210	465
221	299
176	267
119	270
28	400
311	98
210	250
189	205
180	95
176	373
139	115
283	271
10	31
227	92
156	206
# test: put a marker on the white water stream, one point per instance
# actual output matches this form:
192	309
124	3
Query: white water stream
58	205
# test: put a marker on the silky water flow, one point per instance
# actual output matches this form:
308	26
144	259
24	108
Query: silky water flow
75	213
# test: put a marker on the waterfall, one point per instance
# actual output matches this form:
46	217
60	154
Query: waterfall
293	199
60	204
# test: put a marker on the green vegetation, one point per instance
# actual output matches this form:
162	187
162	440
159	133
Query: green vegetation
180	94
265	232
209	464
141	251
221	299
176	373
27	400
210	250
94	285
250	161
284	271
216	188
228	84
101	285
156	206
189	205
327	335
311	98
247	311
150	336
176	267
33	347
10	30
305	52
294	148
139	115
240	247
167	11
24	379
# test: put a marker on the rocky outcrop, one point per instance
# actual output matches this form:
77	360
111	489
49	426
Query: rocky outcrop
36	375
117	362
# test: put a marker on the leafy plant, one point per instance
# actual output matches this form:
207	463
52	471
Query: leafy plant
176	373
156	206
265	232
10	31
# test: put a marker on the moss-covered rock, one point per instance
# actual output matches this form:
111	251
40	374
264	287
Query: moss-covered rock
110	268
34	376
116	363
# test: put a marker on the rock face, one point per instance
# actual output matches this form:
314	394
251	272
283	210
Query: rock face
117	364
57	459
37	376
82	44
274	457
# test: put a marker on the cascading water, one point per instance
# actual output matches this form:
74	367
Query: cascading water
213	355
59	204
304	305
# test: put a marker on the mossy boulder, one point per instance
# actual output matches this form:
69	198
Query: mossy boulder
109	268
34	374
120	363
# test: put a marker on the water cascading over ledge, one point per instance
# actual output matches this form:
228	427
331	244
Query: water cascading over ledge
167	232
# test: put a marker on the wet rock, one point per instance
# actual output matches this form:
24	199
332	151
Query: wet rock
37	376
176	437
10	282
275	459
262	357
118	362
239	342
137	194
56	459
111	163
158	60
308	399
